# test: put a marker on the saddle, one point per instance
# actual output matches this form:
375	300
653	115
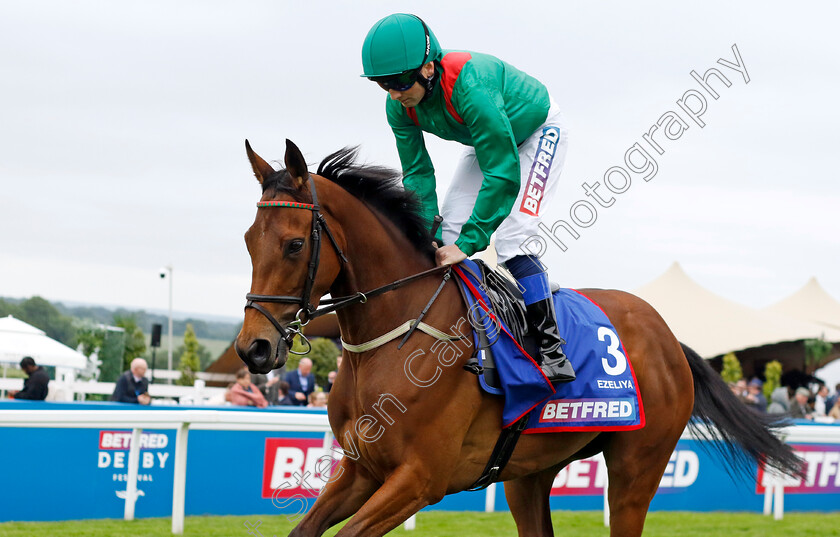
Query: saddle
509	306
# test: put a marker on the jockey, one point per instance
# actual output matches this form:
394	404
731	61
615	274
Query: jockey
516	144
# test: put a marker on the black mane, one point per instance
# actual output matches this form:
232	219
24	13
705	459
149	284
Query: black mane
377	186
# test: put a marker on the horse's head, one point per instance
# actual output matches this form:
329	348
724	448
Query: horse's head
291	271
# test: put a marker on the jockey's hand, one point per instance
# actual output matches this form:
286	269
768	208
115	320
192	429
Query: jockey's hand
449	255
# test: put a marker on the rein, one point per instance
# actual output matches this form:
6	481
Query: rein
508	437
307	311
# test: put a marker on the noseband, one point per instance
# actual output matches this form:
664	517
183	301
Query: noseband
307	311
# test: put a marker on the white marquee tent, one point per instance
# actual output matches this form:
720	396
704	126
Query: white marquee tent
713	325
19	339
810	303
813	303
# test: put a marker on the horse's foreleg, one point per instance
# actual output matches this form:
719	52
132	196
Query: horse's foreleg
342	496
405	492
527	498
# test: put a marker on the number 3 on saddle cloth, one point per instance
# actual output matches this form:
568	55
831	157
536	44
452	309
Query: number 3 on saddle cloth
604	397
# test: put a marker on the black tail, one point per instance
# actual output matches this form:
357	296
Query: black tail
737	432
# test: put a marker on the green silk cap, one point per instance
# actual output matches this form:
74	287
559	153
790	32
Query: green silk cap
396	44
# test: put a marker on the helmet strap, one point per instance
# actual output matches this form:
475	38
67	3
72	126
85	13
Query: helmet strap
428	83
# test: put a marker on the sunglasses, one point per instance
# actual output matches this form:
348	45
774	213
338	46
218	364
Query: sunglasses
400	82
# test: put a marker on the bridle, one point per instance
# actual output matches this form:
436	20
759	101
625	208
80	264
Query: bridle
307	310
507	438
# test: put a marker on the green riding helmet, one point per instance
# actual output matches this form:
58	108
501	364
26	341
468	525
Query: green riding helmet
396	44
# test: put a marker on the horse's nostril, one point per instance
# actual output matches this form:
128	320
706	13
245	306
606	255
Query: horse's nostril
259	352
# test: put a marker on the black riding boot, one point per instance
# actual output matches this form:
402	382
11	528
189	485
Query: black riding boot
553	361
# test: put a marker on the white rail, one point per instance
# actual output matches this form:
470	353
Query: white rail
198	394
207	377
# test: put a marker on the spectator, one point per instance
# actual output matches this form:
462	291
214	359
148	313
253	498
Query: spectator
754	397
317	400
799	409
779	401
260	381
283	397
738	391
301	382
133	386
821	407
332	374
245	393
834	398
835	410
272	391
35	385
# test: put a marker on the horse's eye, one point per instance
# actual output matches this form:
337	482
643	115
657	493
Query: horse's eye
294	246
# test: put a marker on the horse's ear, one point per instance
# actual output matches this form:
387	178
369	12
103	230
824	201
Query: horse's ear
262	169
295	164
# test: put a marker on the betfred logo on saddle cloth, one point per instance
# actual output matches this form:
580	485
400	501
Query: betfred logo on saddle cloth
604	397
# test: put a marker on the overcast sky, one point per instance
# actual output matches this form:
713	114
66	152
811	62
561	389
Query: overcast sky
122	126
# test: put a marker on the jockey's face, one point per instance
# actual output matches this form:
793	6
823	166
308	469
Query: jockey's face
412	96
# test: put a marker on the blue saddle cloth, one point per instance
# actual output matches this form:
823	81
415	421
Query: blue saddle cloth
604	397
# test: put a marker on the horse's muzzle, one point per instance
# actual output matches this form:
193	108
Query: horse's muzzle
261	357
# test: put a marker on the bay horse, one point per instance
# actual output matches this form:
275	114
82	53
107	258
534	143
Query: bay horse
413	424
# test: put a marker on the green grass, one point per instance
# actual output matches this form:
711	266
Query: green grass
446	524
215	346
13	372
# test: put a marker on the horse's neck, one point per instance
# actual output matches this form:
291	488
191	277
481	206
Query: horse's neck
378	254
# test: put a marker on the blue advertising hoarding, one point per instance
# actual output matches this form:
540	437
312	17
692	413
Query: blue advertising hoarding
69	473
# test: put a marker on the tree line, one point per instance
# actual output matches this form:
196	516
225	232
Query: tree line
117	336
59	318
